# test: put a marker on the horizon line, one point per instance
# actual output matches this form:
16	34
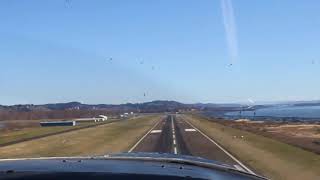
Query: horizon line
235	102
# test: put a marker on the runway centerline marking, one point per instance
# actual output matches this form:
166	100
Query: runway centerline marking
175	150
190	130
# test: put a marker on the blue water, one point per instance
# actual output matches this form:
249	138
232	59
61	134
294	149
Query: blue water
282	112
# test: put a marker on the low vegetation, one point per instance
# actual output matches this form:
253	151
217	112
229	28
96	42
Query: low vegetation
266	156
109	138
300	134
14	136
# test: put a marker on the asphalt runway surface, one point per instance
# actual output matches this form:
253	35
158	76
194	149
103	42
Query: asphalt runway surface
176	135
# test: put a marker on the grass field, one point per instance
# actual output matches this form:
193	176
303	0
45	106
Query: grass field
33	132
109	138
266	156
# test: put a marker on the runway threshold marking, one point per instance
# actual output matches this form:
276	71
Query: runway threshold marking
190	130
222	149
135	145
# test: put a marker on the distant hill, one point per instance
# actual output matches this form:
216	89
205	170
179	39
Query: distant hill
307	103
77	109
154	106
299	103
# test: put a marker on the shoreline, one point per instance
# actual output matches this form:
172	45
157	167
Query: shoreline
222	115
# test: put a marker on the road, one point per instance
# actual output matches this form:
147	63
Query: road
178	136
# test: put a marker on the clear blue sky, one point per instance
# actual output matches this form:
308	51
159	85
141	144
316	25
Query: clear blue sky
59	51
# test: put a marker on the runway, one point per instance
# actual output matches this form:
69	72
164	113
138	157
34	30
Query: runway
178	136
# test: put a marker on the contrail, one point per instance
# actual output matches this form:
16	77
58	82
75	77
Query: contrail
230	28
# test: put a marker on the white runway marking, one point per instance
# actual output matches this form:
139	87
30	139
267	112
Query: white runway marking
155	131
225	151
190	130
133	147
239	168
175	150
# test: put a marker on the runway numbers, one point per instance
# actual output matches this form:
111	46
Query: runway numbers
190	130
155	131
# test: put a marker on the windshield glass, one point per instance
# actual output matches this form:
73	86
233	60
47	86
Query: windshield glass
233	82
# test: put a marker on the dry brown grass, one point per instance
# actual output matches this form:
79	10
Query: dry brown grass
299	130
114	137
266	156
12	136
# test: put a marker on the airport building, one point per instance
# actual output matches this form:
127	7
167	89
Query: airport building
58	123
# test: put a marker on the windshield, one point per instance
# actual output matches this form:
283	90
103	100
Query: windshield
231	82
